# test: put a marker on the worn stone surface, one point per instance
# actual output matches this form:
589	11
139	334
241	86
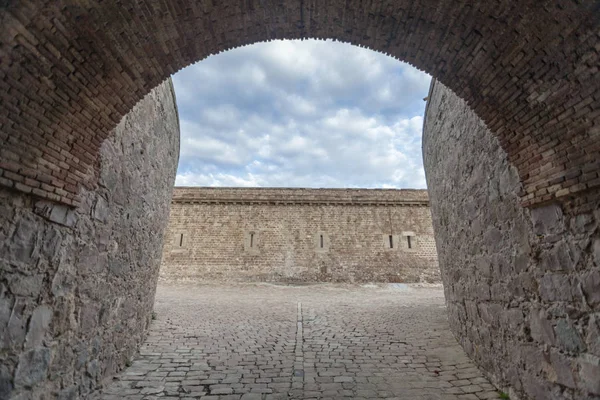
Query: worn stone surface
70	71
325	341
521	284
275	234
77	286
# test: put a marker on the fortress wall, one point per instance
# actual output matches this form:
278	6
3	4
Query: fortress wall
304	235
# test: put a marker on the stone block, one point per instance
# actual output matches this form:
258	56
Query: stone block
541	328
535	387
548	219
483	266
70	393
93	369
530	355
38	326
583	223
6	384
567	336
56	213
251	396
590	285
101	210
593	335
26	285
52	244
520	262
563	369
24	241
558	258
32	367
6	304
589	373
486	314
64	281
555	287
513	318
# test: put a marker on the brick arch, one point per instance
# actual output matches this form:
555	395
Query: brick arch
71	70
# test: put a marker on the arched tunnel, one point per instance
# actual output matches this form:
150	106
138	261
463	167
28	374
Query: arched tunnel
89	147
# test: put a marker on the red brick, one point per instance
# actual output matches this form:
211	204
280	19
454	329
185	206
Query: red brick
13	177
23	188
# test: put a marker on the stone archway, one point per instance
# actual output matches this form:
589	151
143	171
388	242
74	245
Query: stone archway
71	72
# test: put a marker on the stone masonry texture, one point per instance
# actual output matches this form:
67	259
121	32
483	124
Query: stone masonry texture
275	234
70	70
79	266
77	285
522	285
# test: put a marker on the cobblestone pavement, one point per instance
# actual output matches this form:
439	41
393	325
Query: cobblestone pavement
259	342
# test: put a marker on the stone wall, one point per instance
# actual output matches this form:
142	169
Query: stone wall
77	285
340	235
522	286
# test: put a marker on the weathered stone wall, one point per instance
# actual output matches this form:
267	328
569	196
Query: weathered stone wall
77	285
522	286
262	234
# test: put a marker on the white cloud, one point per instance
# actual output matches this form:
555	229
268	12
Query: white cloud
292	113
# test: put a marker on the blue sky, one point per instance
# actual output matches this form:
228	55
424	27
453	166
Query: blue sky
301	114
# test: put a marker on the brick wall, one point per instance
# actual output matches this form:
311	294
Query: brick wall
342	235
69	71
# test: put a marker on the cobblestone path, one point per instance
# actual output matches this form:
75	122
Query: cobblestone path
259	342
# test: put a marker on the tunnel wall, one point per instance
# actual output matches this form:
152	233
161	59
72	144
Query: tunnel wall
522	285
77	285
70	70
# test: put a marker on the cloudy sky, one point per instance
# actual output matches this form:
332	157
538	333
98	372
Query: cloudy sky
301	114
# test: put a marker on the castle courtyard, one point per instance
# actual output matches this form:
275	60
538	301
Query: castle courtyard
321	341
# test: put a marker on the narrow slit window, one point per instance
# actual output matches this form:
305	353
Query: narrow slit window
181	240
391	241
321	241
252	240
409	242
